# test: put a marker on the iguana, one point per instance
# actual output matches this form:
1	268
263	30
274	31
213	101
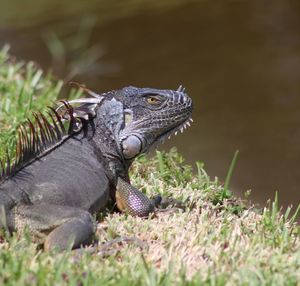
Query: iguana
71	162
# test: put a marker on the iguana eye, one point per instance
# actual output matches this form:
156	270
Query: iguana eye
153	100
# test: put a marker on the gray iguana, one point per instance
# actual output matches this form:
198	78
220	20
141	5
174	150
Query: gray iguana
70	163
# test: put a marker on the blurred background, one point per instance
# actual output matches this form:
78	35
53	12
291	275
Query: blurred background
239	61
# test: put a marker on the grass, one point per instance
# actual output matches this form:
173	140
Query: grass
24	87
215	239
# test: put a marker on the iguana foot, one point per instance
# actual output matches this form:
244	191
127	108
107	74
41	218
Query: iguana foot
168	204
131	200
78	232
111	247
59	227
157	200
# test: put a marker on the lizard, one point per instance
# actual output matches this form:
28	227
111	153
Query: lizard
70	164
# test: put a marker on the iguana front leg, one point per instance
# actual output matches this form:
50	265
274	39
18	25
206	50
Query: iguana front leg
130	200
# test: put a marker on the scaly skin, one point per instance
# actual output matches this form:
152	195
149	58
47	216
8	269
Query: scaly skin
55	195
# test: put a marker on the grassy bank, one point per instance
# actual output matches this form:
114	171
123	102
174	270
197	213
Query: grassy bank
213	239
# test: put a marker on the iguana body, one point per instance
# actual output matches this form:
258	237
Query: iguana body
61	178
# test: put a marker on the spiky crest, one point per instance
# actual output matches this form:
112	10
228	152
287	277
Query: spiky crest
38	137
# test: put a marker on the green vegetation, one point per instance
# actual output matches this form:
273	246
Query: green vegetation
214	239
23	88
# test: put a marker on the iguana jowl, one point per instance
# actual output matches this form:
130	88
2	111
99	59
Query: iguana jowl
62	176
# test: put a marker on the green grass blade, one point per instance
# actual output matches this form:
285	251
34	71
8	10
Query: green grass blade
229	174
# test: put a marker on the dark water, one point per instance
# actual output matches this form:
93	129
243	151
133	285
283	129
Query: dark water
239	60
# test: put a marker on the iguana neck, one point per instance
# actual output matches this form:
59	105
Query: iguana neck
105	139
107	152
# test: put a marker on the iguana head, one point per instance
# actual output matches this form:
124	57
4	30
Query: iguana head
137	118
150	116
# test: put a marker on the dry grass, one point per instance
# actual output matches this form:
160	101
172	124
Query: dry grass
207	240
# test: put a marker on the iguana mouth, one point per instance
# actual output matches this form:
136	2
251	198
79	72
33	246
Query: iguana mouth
181	127
175	130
